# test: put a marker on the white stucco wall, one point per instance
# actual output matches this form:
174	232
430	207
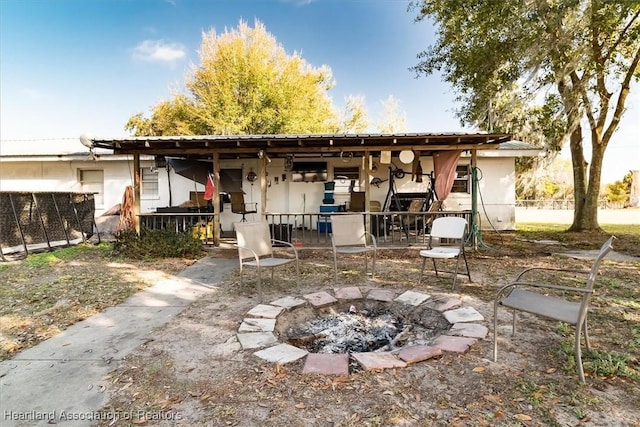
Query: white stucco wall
497	185
496	194
63	175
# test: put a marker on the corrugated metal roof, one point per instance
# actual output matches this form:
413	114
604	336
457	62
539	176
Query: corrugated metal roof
273	144
282	145
518	145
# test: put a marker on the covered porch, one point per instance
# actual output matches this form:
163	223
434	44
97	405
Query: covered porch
290	197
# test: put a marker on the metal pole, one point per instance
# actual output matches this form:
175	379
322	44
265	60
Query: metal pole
75	212
64	229
44	227
17	218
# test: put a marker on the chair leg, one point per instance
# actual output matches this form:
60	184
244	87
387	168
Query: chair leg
424	261
586	335
434	266
578	353
467	265
373	265
241	271
455	274
495	330
335	266
259	283
272	276
366	263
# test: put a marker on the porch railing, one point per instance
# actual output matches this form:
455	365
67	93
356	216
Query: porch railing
310	229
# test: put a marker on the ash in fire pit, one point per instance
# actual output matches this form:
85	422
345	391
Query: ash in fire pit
373	327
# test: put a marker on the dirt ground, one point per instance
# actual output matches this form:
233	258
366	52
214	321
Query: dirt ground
194	373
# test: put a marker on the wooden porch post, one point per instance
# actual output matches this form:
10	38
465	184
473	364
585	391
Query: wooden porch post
263	187
216	198
136	191
366	168
473	227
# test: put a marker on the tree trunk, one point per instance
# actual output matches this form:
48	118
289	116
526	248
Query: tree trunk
586	190
579	178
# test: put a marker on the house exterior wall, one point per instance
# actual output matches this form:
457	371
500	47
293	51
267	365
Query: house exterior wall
496	185
496	193
64	175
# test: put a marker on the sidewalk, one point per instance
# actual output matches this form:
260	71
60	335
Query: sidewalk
61	380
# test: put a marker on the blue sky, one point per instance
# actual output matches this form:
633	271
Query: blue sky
69	67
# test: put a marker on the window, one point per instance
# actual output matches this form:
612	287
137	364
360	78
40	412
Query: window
92	181
149	183
462	182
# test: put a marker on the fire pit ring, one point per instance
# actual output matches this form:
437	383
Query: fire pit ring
377	329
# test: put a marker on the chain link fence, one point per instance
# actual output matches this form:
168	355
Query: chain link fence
31	221
561	204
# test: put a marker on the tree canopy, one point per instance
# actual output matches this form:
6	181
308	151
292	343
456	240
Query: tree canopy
544	70
246	83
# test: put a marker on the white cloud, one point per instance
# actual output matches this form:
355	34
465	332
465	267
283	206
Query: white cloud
159	51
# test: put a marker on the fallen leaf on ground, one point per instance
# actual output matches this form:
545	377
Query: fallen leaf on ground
522	417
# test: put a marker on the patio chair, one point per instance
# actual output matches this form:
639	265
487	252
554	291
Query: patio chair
536	300
416	220
238	206
349	237
255	249
450	231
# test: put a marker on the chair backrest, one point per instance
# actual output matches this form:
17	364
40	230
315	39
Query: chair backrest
253	235
237	201
356	203
348	230
604	250
449	227
435	206
591	279
416	205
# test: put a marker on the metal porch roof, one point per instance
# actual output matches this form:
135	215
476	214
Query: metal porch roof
237	146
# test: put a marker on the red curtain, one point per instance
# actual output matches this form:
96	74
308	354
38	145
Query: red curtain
444	166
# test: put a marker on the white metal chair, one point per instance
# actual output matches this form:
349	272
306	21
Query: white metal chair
255	249
450	231
536	300
348	236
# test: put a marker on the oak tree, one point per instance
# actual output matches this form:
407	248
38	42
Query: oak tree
245	83
574	59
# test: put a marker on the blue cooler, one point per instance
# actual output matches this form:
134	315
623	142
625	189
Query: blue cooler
324	227
329	208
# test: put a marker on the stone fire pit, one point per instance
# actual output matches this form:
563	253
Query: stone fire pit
376	329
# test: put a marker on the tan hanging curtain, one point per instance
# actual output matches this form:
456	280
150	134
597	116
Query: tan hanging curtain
444	167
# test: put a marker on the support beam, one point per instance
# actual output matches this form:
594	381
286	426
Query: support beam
136	192
263	187
366	170
216	198
474	227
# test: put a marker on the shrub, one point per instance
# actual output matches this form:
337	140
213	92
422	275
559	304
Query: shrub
157	244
